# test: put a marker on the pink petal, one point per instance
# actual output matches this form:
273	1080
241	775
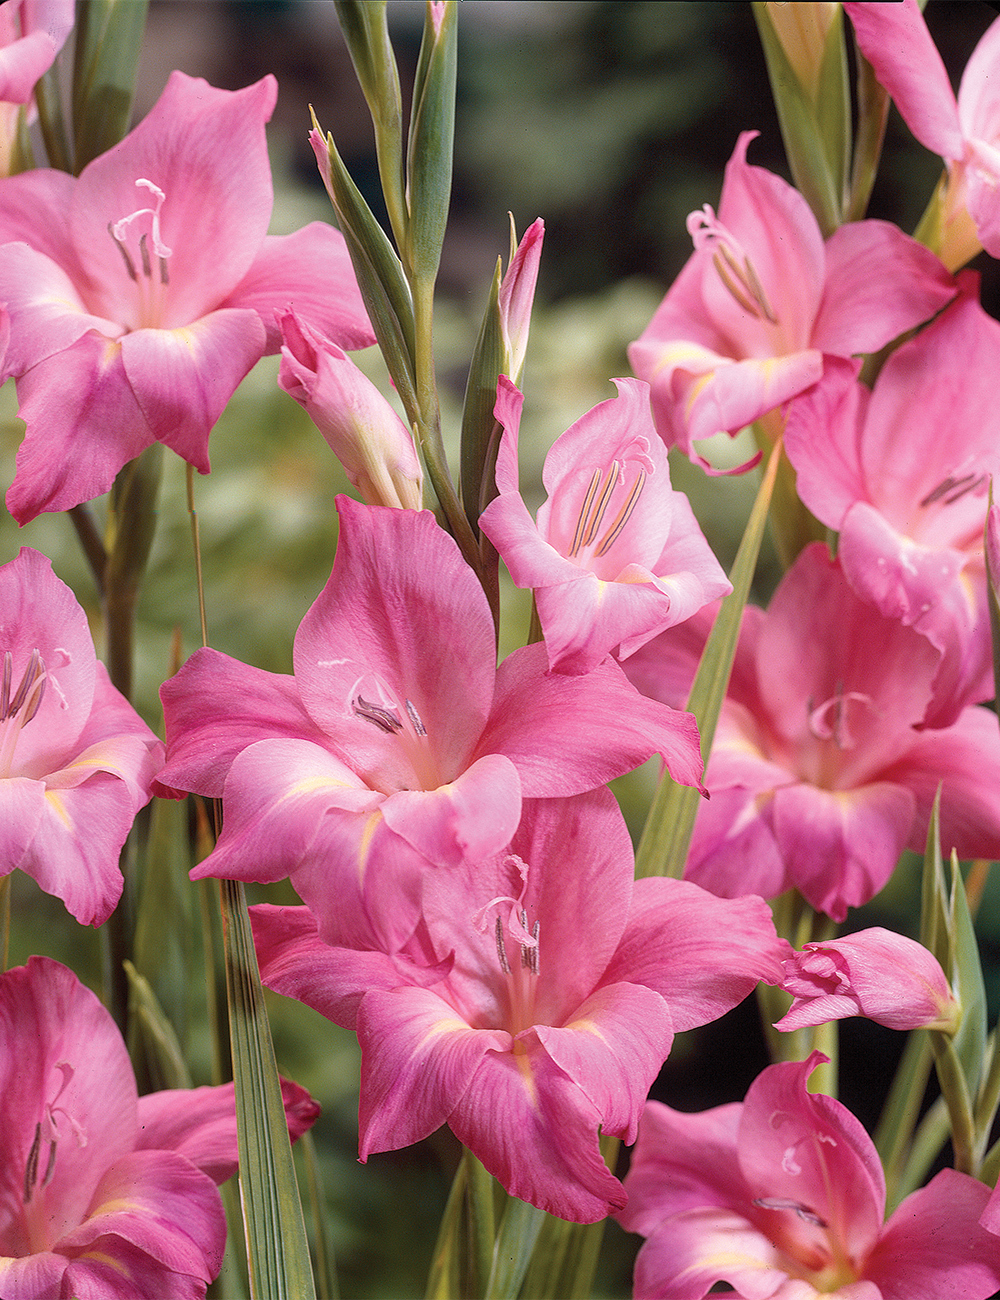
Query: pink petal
309	272
200	1124
294	961
614	728
162	1206
80	397
43	31
418	1057
75	848
841	846
879	284
702	954
895	41
822	439
933	1247
214	708
536	1131
682	1162
613	1049
183	378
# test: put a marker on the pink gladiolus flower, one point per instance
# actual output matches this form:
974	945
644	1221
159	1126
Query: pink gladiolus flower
372	443
902	474
783	1197
819	776
965	133
537	1002
141	293
398	742
876	973
76	761
104	1195
762	298
616	555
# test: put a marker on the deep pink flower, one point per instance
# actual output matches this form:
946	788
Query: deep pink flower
537	1002
370	440
746	323
398	742
104	1195
783	1197
966	133
76	761
616	555
903	473
141	293
819	776
876	973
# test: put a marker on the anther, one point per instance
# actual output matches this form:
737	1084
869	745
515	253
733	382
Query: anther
501	948
384	719
781	1203
414	717
129	264
34	676
31	1166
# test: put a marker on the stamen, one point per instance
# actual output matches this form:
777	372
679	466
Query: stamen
129	264
588	501
31	1166
624	515
30	689
147	268
385	719
414	717
501	949
967	483
608	487
780	1203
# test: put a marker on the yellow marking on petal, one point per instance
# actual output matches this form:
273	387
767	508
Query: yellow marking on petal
699	385
587	1027
520	1055
101	1257
57	807
365	843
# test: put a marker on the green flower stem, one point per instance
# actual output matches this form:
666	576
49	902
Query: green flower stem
930	1137
901	1111
463	1255
955	1092
989	1097
91	543
428	426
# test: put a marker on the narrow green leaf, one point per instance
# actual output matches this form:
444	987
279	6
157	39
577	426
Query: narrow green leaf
277	1248
431	141
380	278
326	1271
153	1034
463	1255
966	974
666	836
519	1229
934	892
902	1108
108	41
873	114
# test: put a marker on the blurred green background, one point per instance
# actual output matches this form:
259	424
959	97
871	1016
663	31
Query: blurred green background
612	119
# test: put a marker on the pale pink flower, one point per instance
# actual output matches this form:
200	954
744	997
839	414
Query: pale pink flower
783	1197
104	1195
746	323
517	294
371	442
902	473
875	973
616	555
822	770
76	761
141	293
965	132
398	743
536	1003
